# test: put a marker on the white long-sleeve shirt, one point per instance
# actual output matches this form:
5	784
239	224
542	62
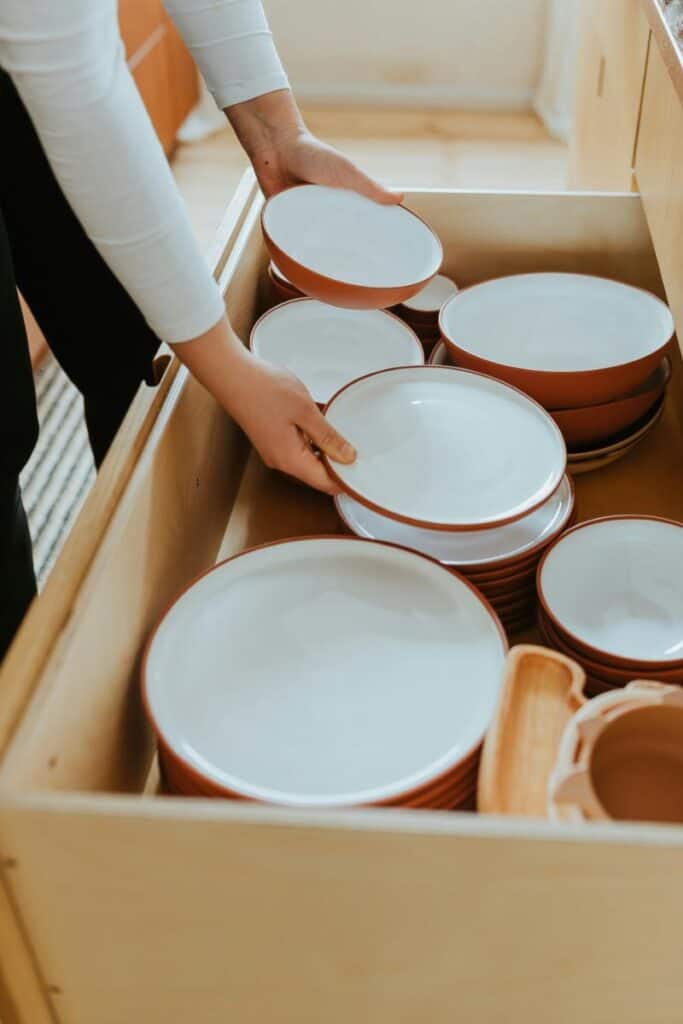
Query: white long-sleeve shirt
67	62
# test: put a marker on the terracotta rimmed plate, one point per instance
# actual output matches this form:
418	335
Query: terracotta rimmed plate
484	555
566	339
614	587
446	449
342	248
515	586
273	665
326	347
591	425
605	672
440	355
620	442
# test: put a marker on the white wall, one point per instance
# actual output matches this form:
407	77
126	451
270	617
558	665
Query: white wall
474	53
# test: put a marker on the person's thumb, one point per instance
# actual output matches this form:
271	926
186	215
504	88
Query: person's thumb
323	435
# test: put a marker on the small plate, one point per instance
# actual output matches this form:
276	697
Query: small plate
326	347
342	248
446	449
323	671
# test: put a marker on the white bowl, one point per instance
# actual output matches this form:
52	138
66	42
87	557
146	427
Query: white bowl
614	587
342	248
444	448
326	347
566	339
461	549
324	671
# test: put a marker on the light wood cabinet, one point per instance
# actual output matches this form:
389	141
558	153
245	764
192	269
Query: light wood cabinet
614	39
659	172
163	70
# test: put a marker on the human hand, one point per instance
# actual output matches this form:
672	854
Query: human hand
284	153
272	406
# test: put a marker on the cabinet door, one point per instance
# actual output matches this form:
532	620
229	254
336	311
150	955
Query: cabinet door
612	60
659	164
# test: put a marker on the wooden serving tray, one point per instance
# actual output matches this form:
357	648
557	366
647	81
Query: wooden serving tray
118	905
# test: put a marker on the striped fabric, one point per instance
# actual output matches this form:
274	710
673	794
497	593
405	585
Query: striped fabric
57	478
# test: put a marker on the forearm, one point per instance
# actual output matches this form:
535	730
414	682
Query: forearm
67	62
263	123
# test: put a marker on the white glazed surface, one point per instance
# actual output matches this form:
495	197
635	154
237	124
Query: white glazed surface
348	238
617	586
325	672
557	322
326	347
446	448
463	549
431	298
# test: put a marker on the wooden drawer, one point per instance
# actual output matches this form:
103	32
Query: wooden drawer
121	905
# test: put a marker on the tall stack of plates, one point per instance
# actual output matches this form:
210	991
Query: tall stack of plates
325	672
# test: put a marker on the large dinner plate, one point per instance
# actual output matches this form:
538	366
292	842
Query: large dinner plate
324	671
446	449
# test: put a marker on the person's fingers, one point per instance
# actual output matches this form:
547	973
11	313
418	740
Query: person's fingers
300	463
325	437
360	182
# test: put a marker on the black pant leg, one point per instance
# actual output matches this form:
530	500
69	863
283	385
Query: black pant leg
91	324
18	434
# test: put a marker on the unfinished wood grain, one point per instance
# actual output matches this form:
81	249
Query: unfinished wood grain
613	49
659	171
185	911
670	49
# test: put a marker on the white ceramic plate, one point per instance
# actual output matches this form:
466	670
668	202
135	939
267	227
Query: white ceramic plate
616	586
324	671
440	356
431	298
462	549
557	322
326	347
446	449
345	237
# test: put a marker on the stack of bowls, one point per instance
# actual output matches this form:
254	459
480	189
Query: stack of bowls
325	672
611	597
501	563
421	312
592	351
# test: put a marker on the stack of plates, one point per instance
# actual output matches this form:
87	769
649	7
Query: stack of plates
458	466
421	312
590	350
326	347
501	562
325	672
611	597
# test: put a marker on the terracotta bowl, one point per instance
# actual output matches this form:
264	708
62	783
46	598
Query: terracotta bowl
591	424
600	671
424	307
337	246
613	586
521	585
568	340
621	758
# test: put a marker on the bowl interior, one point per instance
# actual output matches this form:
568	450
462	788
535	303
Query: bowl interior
636	765
615	586
325	671
557	322
326	347
345	237
432	297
